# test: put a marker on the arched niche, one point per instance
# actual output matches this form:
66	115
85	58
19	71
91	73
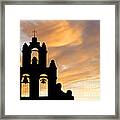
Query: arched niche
25	85
43	85
35	53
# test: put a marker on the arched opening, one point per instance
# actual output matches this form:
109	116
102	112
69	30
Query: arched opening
43	85
34	54
25	85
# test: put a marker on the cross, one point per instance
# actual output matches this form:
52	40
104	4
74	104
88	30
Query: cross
34	32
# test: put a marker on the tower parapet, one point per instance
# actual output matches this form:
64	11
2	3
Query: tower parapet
52	64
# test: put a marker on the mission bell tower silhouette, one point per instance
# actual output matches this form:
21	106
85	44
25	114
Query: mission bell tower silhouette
34	73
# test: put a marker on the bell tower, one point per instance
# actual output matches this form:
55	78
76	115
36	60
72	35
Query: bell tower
36	77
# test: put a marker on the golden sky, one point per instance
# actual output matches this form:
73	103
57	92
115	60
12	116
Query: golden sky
75	46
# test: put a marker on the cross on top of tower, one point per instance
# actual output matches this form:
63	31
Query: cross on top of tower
34	32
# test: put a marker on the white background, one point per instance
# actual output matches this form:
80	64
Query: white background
13	15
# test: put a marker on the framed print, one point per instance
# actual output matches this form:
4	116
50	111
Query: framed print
60	60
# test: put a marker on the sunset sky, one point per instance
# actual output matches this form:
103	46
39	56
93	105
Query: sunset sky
75	47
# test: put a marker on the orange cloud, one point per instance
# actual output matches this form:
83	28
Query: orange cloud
60	33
